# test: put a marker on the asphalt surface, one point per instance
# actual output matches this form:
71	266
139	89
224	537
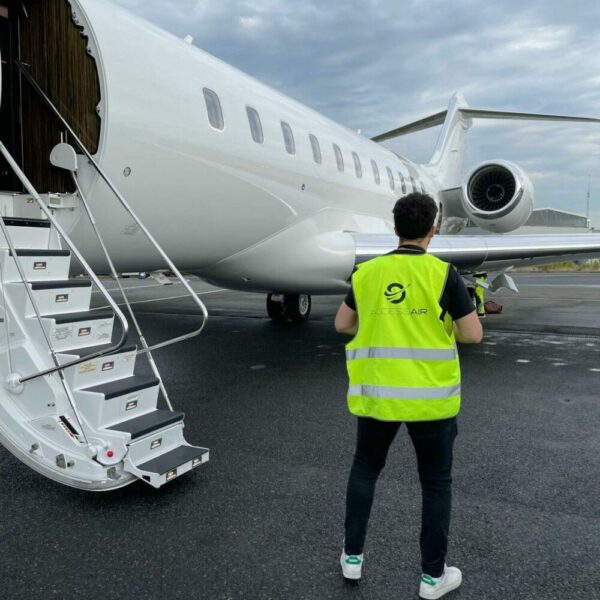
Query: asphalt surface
263	519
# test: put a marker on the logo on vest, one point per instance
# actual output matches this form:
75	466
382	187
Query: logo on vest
395	293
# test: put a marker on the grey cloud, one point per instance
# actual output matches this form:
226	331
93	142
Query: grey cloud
375	64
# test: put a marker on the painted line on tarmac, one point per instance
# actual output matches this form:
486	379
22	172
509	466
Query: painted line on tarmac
163	299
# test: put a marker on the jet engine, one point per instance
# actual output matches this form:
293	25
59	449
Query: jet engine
497	196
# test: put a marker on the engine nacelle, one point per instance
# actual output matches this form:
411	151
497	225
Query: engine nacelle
498	196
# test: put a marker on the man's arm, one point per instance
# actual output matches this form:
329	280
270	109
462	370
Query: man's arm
346	320
468	330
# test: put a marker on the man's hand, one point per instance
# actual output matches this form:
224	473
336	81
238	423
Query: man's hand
346	320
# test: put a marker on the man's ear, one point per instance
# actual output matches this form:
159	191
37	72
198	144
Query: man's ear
433	231
396	232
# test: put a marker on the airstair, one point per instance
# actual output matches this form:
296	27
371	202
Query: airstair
74	405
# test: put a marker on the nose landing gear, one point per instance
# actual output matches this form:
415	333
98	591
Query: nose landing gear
288	307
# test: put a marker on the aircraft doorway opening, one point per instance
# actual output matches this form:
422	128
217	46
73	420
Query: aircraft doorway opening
41	34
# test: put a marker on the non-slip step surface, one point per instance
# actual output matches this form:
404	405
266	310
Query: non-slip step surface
171	460
146	424
77	317
40	252
25	222
56	285
121	387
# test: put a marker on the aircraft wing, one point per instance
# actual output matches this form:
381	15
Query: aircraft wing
491	252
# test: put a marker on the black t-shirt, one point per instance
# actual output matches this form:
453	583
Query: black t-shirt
455	298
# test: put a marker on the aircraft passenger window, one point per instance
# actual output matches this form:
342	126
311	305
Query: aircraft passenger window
214	110
357	165
288	138
316	148
402	182
376	172
339	159
391	178
255	125
413	183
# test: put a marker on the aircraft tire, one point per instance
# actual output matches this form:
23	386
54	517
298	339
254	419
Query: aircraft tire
298	306
277	309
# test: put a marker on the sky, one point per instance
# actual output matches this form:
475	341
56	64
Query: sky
374	65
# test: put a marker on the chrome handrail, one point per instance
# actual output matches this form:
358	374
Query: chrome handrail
129	210
124	324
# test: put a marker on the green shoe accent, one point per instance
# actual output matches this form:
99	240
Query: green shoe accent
353	560
427	579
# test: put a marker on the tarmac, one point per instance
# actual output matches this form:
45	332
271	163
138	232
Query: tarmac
263	519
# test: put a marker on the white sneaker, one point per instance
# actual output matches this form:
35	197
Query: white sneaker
436	587
351	565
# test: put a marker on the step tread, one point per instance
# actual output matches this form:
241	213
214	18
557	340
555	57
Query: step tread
40	252
85	315
171	460
145	424
26	222
56	285
121	387
93	349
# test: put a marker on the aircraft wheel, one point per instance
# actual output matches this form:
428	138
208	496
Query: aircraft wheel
298	306
276	308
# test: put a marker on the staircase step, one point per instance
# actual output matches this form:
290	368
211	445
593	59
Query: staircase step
41	252
56	285
39	264
27	233
167	463
25	222
87	351
122	387
146	424
77	317
79	329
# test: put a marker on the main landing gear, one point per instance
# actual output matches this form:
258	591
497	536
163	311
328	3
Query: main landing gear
288	307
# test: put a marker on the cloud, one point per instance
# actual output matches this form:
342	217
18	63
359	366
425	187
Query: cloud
376	64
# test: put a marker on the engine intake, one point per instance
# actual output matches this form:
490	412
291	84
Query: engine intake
498	196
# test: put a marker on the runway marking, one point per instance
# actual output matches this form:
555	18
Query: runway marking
559	364
523	360
167	298
595	370
257	367
590	345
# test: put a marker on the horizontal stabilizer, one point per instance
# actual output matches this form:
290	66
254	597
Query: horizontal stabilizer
472	113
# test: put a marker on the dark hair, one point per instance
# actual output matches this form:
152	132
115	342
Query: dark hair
414	215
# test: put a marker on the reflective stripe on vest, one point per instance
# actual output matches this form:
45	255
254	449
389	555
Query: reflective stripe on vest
410	353
401	393
403	363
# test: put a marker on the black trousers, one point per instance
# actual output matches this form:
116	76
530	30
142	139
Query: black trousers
433	442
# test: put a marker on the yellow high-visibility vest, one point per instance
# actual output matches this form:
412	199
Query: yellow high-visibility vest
403	363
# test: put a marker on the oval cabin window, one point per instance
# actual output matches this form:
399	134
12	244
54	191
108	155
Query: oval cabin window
339	159
316	148
288	138
390	178
375	172
357	165
214	110
255	125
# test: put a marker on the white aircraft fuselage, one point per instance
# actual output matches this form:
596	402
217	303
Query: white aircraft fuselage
246	215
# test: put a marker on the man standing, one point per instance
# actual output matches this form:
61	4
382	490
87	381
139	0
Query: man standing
406	310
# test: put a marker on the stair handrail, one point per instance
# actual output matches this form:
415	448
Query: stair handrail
129	210
114	306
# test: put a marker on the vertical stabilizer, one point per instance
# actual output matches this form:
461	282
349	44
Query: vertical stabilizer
446	163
